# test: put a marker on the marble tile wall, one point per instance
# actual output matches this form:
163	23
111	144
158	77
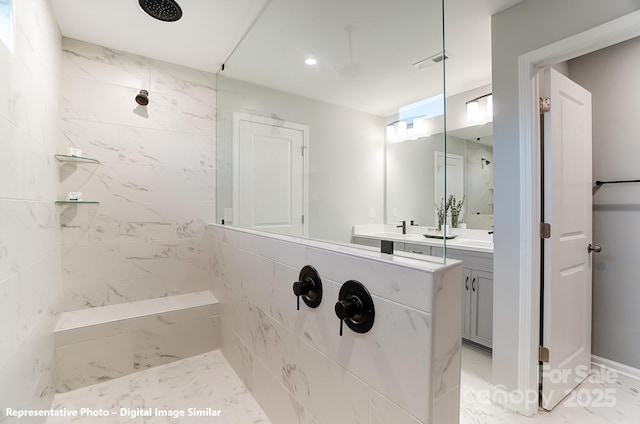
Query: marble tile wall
99	344
155	183
29	235
405	370
105	358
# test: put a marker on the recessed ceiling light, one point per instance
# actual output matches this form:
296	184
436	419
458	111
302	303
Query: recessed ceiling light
311	61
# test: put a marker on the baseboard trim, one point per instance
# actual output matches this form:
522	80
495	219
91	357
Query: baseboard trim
615	366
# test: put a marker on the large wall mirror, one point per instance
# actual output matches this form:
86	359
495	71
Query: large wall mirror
415	166
313	106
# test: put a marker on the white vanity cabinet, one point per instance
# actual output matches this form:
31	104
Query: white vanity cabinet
365	241
477	295
477	283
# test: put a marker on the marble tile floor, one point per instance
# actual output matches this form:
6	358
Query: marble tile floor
208	381
205	382
585	406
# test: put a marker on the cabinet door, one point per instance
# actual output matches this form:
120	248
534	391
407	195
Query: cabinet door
466	304
482	307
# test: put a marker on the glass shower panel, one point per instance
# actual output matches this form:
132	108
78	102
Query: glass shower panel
331	122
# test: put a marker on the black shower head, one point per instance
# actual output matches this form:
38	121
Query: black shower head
164	10
143	98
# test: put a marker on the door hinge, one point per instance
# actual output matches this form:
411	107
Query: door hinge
303	219
545	105
545	230
543	354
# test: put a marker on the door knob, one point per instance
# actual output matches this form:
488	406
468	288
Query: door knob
594	248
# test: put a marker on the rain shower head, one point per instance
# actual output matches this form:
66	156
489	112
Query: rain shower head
164	10
142	98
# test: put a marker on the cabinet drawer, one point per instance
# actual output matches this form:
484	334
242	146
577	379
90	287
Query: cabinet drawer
475	260
367	241
417	248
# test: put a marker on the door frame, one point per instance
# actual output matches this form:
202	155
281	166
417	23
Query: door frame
237	118
599	37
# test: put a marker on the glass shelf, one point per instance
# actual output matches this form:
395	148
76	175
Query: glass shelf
75	202
68	158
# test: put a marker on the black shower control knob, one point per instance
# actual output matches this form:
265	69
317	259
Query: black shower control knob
348	308
308	287
304	287
355	307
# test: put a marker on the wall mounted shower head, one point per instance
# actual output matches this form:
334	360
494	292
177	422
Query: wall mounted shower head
163	10
143	98
484	162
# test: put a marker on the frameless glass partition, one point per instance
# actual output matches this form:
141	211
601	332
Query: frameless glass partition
331	123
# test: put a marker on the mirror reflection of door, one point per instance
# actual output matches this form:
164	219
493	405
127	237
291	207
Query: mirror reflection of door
454	177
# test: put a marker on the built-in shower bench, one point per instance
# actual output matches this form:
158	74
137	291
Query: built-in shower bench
98	344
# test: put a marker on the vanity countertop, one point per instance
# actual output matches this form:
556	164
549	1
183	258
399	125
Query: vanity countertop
466	239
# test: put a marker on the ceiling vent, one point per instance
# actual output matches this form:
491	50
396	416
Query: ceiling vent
432	60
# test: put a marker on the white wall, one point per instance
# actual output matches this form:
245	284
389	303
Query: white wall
518	30
611	75
346	155
156	182
405	370
29	237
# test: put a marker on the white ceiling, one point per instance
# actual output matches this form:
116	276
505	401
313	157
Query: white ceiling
368	67
373	70
203	39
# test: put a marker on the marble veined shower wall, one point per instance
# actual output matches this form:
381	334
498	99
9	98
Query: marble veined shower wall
29	235
155	182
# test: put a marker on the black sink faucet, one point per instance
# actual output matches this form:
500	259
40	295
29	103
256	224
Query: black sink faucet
403	225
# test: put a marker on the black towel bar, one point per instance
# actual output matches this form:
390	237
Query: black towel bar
599	183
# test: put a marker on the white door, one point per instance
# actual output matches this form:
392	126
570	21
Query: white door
455	177
270	175
567	260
